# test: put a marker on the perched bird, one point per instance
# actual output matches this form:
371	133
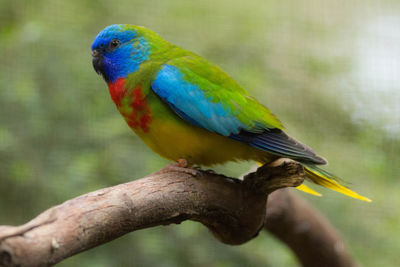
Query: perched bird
189	110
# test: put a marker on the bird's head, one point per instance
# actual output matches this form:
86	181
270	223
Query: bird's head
118	50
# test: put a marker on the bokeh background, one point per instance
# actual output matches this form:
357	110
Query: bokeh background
330	70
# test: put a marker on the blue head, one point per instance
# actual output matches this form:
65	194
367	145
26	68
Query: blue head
118	51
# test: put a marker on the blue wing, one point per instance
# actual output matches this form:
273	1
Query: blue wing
189	101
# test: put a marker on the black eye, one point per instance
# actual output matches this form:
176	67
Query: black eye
114	44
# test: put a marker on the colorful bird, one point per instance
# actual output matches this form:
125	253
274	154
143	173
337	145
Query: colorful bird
188	109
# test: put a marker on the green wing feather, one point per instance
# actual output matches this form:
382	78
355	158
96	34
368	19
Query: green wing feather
219	87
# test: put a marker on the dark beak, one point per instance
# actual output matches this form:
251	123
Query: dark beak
97	60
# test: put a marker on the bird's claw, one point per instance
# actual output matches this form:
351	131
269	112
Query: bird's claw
182	163
180	166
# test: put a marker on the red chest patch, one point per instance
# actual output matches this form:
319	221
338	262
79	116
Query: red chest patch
117	90
138	116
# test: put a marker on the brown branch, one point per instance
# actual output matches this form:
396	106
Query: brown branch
233	210
310	235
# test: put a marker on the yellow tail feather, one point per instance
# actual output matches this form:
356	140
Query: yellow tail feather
308	190
322	180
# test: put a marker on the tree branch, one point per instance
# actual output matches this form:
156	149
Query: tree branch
310	235
233	210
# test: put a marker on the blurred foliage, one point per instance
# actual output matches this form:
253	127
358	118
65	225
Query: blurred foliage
61	136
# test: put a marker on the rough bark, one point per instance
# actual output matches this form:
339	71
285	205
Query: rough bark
233	210
309	234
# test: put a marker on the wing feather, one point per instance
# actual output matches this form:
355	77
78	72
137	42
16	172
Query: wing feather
209	98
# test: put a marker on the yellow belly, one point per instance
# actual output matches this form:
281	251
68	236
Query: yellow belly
174	138
181	140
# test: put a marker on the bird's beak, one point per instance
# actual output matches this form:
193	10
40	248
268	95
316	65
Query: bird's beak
97	61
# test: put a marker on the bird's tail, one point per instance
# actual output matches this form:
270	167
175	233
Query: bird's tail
325	179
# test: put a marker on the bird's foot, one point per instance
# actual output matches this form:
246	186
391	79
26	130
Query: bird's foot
182	163
180	166
210	171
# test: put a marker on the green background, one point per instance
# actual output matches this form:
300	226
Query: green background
329	69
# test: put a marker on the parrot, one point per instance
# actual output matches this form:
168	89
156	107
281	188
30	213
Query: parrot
190	111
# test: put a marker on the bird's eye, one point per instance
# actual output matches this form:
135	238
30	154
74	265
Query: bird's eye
114	44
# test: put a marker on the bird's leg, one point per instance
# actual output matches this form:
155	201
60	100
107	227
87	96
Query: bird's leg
180	166
182	163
